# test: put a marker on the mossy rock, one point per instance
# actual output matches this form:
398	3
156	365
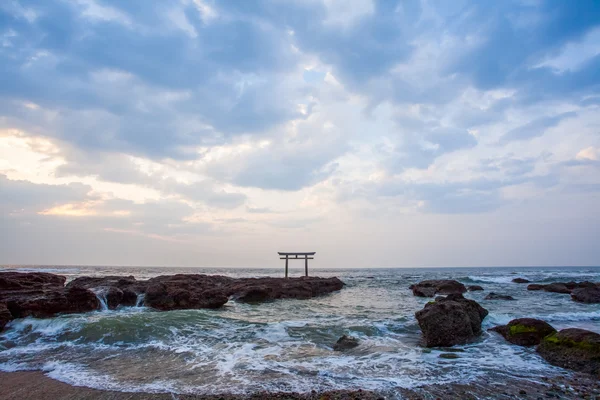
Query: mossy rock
573	348
525	331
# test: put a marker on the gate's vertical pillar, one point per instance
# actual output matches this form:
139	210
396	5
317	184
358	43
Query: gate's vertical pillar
286	265
306	265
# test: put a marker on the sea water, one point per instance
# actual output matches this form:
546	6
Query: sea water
286	345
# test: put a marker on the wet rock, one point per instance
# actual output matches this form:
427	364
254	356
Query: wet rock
474	288
114	297
586	295
557	288
535	286
345	343
450	321
524	331
520	280
562	287
164	297
40	294
432	287
496	296
256	294
573	348
129	298
5	316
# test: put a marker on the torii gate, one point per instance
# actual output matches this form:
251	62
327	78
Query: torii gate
294	256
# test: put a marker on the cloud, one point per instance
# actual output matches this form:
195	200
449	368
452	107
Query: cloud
535	128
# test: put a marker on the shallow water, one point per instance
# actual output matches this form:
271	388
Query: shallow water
287	345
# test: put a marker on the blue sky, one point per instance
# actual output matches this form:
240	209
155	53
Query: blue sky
377	133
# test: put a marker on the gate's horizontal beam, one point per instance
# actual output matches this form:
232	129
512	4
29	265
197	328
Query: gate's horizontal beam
297	258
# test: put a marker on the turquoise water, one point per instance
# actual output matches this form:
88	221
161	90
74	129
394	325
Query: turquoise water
287	345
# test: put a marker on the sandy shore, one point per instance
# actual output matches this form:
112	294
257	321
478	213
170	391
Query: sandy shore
36	385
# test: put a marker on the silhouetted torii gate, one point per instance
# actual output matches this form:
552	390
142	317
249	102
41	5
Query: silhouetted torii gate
294	256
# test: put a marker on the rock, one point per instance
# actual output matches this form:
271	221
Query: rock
130	297
572	348
39	294
43	295
474	288
114	297
557	288
5	316
496	296
430	288
535	286
345	343
256	294
525	331
562	287
520	280
586	295
450	321
449	356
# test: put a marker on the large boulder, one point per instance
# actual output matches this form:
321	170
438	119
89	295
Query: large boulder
345	343
432	287
451	320
520	280
525	331
586	295
573	348
496	296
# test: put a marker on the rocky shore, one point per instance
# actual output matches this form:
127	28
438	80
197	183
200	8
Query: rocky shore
41	295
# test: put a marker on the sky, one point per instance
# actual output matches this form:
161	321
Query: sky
377	133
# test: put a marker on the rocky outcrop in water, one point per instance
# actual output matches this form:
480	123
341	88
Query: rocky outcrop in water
432	287
40	294
496	296
586	295
562	287
183	291
345	343
451	320
474	288
520	280
524	331
573	348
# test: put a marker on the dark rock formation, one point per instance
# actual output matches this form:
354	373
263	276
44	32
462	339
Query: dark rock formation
520	280
345	343
557	288
496	296
451	320
586	295
562	287
524	331
573	348
535	286
182	291
430	288
474	288
40	294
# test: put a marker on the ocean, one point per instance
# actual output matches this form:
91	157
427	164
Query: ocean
286	345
